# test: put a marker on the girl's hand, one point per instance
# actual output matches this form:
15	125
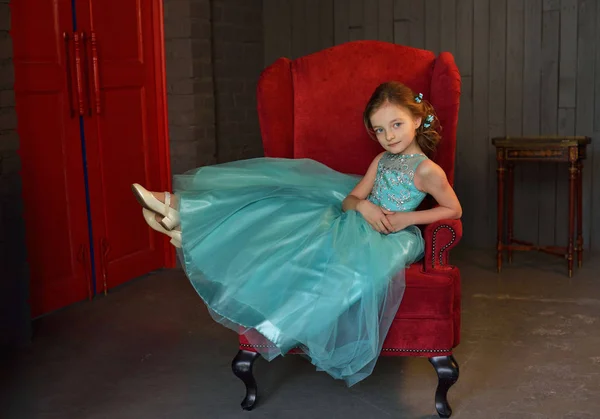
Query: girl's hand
375	216
399	220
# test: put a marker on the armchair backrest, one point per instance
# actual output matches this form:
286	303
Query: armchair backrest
312	107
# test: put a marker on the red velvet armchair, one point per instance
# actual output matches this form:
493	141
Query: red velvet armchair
312	107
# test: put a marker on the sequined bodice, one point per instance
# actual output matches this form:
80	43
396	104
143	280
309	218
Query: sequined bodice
394	188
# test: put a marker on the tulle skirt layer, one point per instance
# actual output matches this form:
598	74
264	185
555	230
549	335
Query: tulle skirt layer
271	253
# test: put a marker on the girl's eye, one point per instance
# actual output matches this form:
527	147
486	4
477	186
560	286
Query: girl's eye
397	124
378	131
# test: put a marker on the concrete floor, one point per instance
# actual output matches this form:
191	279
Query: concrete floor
530	349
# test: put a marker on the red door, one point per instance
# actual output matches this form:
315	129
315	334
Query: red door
92	120
51	155
124	133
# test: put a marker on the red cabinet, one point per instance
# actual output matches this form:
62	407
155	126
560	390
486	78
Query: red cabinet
91	108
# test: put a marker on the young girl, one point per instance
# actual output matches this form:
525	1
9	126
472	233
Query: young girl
295	254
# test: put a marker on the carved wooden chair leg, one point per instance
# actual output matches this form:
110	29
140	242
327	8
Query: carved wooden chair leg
447	370
242	368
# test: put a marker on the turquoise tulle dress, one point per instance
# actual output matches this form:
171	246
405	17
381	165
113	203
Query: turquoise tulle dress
266	245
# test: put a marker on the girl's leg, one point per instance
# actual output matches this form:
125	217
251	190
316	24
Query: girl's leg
153	222
161	197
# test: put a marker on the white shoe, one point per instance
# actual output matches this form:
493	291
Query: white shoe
147	200
150	218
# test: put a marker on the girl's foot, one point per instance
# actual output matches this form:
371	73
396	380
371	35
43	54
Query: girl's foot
175	236
173	204
160	203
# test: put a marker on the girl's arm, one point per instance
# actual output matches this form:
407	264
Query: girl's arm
362	190
430	178
356	201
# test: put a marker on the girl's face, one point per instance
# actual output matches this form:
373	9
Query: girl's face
395	128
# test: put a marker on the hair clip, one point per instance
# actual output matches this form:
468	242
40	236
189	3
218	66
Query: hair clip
419	98
428	121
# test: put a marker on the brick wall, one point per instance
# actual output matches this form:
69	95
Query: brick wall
14	283
238	61
190	90
214	53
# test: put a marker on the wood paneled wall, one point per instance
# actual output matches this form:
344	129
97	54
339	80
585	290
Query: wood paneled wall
528	67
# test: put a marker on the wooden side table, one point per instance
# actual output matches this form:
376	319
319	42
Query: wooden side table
510	150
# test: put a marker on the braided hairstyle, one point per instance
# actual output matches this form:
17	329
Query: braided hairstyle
396	93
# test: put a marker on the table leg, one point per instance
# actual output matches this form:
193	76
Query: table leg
579	213
500	207
510	192
572	178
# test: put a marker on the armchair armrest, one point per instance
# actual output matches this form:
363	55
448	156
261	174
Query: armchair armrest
440	237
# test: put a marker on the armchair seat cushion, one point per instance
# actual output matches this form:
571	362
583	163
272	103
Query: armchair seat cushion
427	296
426	323
428	320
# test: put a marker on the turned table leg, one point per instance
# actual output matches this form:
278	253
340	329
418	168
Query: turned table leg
510	204
572	179
500	207
579	214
